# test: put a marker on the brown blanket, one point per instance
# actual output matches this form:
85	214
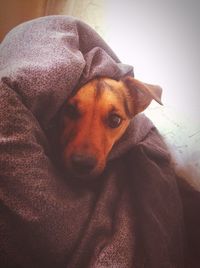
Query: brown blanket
131	216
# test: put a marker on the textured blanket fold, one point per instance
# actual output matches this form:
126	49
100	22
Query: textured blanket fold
131	216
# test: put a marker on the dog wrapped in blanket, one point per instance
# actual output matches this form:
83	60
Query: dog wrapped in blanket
132	215
96	118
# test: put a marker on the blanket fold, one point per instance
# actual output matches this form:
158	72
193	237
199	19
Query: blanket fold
133	215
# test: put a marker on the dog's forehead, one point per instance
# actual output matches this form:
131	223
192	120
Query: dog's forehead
100	89
113	83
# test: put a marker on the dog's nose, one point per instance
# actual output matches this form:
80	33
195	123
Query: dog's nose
83	163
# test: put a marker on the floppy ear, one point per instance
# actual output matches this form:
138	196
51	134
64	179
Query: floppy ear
140	94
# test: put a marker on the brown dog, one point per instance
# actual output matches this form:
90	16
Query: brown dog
96	117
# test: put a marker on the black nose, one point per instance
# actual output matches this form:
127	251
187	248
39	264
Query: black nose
83	163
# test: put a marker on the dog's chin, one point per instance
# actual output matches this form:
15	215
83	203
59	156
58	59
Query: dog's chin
74	174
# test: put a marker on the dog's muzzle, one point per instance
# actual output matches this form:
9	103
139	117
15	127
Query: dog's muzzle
82	164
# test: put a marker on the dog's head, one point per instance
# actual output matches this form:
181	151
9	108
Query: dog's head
96	117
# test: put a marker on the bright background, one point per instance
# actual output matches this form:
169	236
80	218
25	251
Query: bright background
162	40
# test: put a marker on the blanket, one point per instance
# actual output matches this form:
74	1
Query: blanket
133	215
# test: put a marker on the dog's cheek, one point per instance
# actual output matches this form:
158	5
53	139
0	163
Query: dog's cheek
112	138
65	155
108	144
68	135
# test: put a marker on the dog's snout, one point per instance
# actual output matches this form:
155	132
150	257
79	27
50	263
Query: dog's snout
83	163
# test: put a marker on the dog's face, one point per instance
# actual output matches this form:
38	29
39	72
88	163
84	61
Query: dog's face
95	118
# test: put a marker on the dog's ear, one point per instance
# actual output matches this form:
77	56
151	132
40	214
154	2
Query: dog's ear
140	94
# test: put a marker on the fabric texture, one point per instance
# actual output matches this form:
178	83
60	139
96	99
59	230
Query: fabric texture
131	216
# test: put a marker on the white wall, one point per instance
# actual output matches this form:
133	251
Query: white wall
161	38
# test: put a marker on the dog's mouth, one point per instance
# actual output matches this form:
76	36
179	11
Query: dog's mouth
84	174
83	166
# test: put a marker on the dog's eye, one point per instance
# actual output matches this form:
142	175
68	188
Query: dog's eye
114	121
72	111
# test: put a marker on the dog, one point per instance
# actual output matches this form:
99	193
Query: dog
96	117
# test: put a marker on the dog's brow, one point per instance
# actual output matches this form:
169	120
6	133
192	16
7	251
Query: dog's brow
102	85
113	109
121	97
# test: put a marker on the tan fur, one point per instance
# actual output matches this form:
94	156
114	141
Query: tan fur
90	134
